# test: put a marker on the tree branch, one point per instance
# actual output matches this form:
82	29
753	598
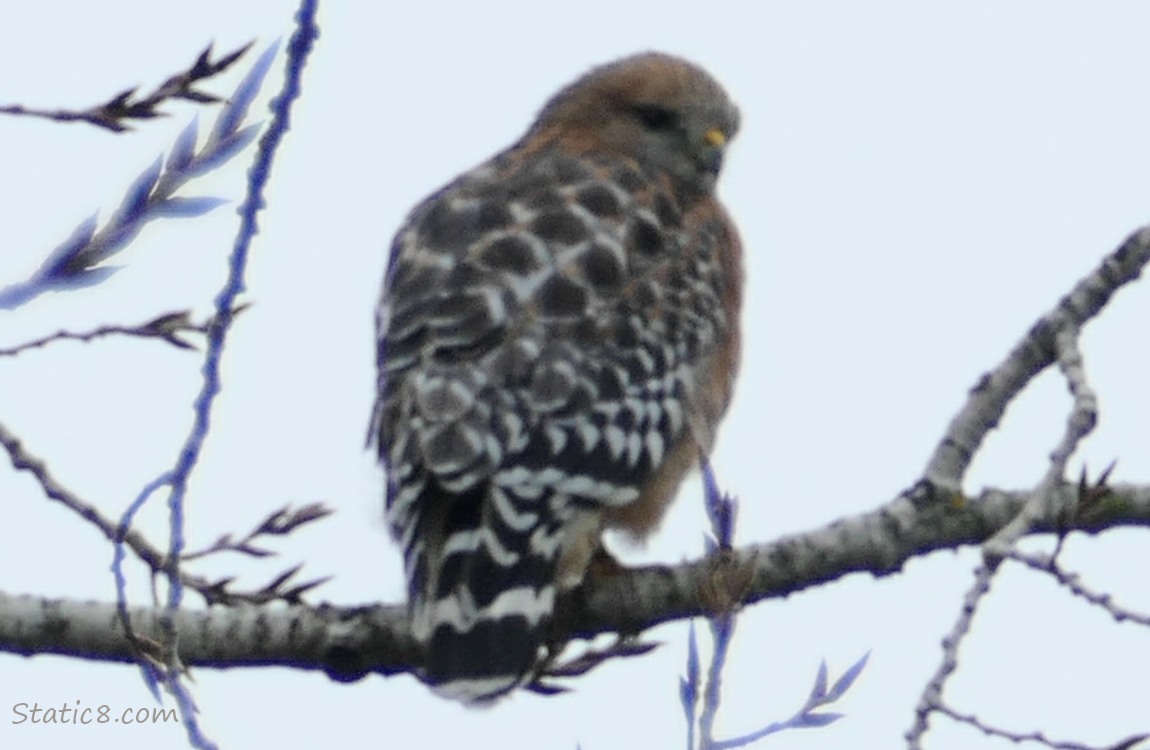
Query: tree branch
1038	350
351	642
166	327
114	114
1054	338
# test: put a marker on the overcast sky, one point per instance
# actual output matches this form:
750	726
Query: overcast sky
915	184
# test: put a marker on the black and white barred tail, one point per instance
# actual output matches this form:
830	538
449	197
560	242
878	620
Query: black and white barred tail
481	568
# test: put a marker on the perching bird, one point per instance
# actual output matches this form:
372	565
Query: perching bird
558	336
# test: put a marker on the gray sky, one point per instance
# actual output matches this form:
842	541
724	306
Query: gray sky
915	184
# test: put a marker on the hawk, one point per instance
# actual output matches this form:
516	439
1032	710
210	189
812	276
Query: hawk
558	335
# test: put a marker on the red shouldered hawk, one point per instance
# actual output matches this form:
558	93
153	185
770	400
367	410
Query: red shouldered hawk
558	336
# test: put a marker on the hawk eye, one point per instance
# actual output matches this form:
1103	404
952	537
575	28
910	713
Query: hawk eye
655	117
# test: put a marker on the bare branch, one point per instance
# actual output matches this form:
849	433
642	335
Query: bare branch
114	114
1054	338
351	642
213	591
1073	583
971	720
166	327
1038	350
930	700
80	260
1079	424
22	460
279	523
625	646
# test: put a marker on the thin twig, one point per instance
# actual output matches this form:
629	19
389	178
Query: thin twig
79	261
1042	505
930	700
167	327
1073	583
22	460
299	47
722	633
971	720
213	591
1054	338
278	523
114	114
1080	423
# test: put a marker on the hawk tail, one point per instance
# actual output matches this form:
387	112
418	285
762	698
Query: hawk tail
481	579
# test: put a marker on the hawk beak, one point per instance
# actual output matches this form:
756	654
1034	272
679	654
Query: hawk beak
715	137
711	152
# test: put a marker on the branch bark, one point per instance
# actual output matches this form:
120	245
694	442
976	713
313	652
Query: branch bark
351	642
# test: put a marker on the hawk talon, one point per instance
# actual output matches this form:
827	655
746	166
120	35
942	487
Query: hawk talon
624	646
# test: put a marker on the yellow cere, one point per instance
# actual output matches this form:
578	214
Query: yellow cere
715	137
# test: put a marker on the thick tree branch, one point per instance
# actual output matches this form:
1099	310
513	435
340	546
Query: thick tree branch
350	642
1038	350
1054	338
